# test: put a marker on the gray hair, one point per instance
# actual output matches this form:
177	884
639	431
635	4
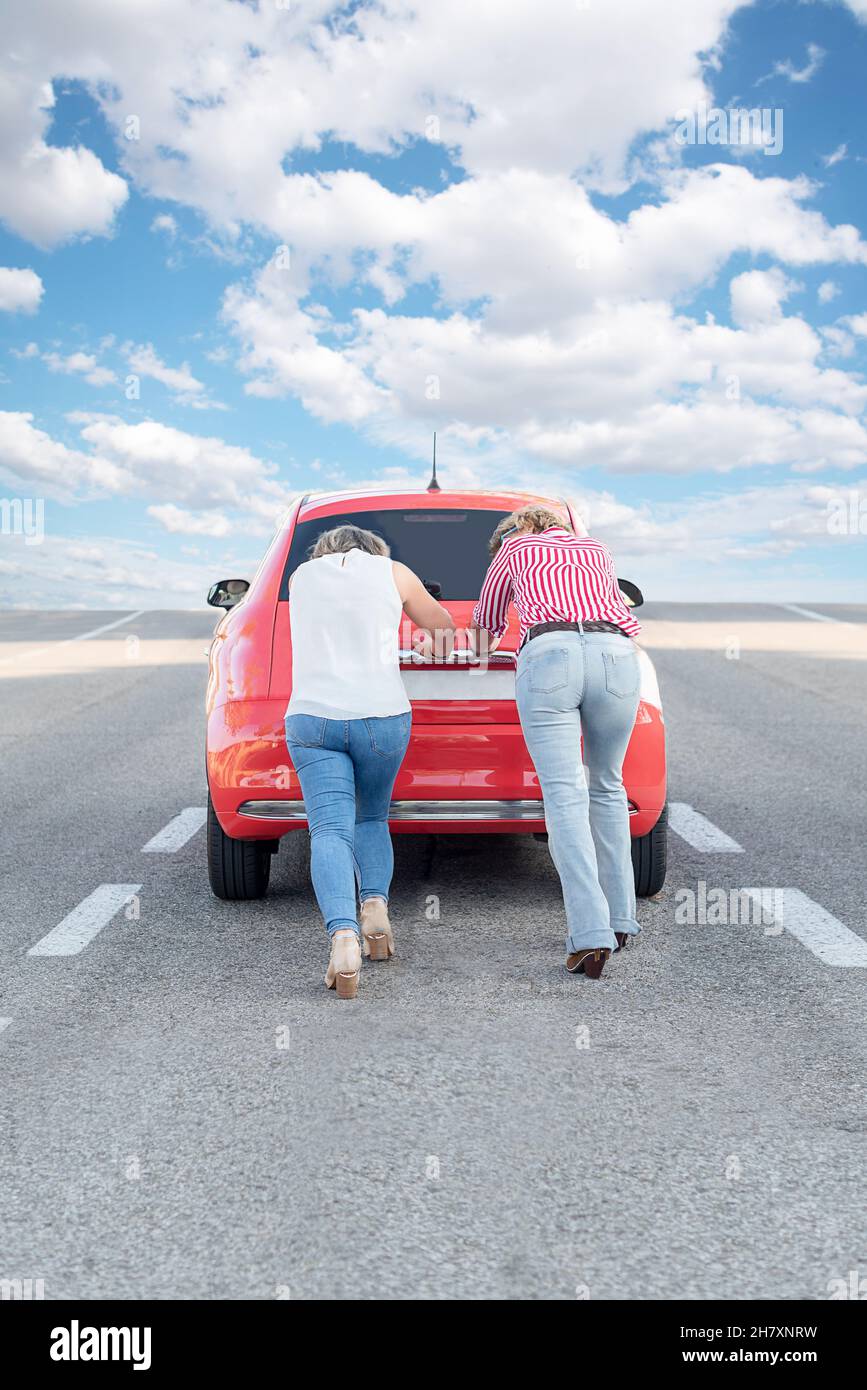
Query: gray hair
343	538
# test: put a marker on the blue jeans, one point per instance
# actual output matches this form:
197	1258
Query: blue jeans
569	683
347	769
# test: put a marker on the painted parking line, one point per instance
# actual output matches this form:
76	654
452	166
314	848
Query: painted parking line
4	1024
180	828
67	641
699	832
816	929
810	613
86	921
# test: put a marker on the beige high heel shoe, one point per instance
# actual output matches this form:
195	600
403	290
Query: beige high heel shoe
376	933
344	964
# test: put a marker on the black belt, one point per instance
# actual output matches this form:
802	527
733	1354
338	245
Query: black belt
594	626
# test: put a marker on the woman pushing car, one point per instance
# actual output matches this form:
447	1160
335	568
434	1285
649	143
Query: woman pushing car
577	674
347	730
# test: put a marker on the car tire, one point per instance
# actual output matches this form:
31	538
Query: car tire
238	870
650	856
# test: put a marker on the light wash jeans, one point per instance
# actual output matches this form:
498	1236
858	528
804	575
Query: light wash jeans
347	769
569	683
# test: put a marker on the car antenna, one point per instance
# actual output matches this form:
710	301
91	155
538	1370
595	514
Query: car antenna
433	485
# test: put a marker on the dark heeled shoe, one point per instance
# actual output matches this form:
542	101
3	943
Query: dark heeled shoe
622	940
589	962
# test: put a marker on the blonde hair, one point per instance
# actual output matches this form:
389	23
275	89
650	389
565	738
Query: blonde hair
533	518
342	538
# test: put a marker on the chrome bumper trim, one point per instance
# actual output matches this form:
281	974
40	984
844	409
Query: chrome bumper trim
410	810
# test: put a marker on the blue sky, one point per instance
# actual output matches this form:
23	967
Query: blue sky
334	232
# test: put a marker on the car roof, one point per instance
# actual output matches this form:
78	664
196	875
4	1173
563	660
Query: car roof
368	499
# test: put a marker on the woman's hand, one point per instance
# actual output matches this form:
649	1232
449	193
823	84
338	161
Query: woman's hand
482	642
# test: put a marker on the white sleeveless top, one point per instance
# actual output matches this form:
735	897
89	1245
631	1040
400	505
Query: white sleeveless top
344	613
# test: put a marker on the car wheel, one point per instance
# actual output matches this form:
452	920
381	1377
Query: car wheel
237	869
649	857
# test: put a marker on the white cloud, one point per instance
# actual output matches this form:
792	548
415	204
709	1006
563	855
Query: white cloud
679	437
554	349
165	223
585	362
780	518
81	363
48	194
144	361
200	471
282	347
202	474
836	157
20	290
757	296
177	520
838	343
223	93
815	57
768	543
473	239
560	338
778	358
103	572
827	291
33	461
535	250
100	376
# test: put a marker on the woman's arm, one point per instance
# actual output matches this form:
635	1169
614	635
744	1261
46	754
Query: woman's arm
491	613
423	608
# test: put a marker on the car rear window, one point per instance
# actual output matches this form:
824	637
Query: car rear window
444	547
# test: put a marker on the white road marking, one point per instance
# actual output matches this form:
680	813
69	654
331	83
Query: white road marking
808	613
699	832
816	929
180	829
4	1023
85	921
106	627
65	641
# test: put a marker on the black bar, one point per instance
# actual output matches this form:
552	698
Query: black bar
232	1337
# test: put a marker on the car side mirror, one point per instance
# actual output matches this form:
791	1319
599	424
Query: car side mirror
227	592
632	595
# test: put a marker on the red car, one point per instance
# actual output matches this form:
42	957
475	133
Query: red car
467	769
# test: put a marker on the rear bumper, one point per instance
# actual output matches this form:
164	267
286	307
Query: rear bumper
461	778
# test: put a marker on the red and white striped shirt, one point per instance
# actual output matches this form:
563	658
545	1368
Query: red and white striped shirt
552	576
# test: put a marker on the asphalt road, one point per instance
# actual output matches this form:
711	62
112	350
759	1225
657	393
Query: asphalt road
187	1113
